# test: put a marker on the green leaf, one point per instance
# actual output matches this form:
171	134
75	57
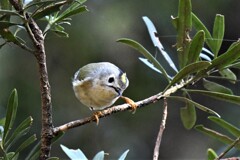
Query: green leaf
226	58
48	10
53	158
145	53
11	113
221	96
211	154
196	47
42	4
198	25
188	70
73	10
9	37
99	156
188	115
218	33
212	86
199	106
73	154
184	25
9	13
26	143
124	155
60	33
20	131
156	42
214	134
229	127
34	153
228	74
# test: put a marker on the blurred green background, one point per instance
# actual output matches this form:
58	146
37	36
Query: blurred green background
93	38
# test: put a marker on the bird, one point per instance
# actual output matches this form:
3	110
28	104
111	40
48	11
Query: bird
99	85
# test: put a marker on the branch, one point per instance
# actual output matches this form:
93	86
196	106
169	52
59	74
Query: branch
228	149
120	108
107	112
160	133
37	38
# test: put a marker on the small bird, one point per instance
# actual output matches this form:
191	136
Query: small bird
99	85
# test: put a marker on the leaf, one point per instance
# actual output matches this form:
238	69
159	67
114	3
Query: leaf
124	155
73	10
26	143
11	113
199	106
218	33
73	154
184	25
226	58
48	10
147	63
198	25
42	4
227	73
224	124
190	69
21	130
145	53
221	96
34	153
188	115
156	42
196	47
220	137
211	154
212	86
99	156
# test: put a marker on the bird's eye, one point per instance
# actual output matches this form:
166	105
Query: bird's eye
110	79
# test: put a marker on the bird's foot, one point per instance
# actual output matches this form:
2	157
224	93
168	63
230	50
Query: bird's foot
96	115
132	104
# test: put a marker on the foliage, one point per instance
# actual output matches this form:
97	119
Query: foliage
8	136
193	66
78	154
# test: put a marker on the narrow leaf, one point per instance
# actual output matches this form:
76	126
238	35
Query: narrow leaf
188	70
34	153
99	156
188	115
71	12
218	33
211	154
228	74
26	143
11	113
221	96
214	134
229	127
226	58
198	25
50	9
73	154
196	47
212	86
145	53
156	42
21	130
124	155
199	106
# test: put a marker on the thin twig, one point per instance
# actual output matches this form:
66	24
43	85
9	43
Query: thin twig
120	108
161	129
228	148
107	112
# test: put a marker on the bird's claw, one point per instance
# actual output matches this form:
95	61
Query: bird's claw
132	104
96	116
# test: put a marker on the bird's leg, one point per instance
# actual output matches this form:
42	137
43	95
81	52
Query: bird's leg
132	104
96	115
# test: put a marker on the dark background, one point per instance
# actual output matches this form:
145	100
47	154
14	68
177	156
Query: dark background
93	38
